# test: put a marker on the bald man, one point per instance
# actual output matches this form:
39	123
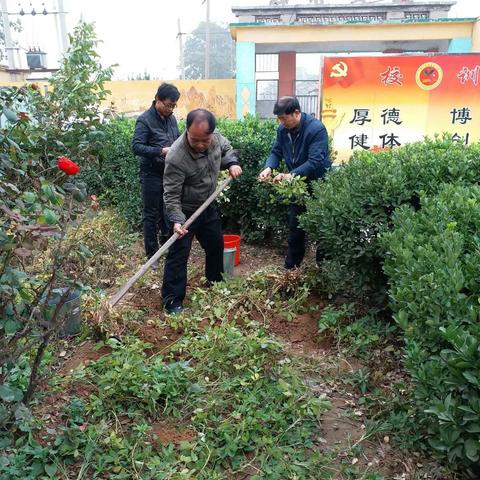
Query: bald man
191	171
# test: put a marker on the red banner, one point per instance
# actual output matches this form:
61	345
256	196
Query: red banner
392	100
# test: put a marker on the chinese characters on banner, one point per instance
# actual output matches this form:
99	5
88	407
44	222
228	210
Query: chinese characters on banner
385	102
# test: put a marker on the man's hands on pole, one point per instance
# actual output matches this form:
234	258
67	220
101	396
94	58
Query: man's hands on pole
235	171
179	230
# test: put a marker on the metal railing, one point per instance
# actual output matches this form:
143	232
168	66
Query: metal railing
309	104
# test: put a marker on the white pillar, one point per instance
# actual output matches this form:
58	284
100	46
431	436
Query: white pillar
8	38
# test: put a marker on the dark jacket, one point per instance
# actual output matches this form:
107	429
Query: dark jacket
152	133
306	155
191	177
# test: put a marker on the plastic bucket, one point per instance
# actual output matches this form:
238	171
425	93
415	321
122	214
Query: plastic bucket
233	241
228	260
69	315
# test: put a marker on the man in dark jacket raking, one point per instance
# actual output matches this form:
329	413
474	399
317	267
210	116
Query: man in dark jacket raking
302	141
155	131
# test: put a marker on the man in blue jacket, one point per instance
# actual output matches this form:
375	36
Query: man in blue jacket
155	131
302	141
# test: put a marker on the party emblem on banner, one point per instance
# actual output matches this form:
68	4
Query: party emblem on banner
429	76
340	69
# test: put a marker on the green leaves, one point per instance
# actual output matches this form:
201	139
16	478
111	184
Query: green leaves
432	263
127	380
29	197
10	394
354	206
48	216
10	114
11	326
50	469
472	449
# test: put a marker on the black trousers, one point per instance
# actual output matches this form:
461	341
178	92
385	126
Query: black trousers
296	237
208	231
154	217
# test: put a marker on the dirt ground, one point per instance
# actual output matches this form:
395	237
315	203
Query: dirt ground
342	428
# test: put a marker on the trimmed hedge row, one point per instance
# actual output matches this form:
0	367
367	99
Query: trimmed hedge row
433	265
249	208
409	220
347	212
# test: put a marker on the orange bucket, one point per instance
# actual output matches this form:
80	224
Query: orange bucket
233	241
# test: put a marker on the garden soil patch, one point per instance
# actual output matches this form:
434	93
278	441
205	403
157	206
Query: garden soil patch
160	337
147	298
166	431
301	332
253	257
340	428
82	355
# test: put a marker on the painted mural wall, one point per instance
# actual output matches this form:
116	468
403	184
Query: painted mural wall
135	96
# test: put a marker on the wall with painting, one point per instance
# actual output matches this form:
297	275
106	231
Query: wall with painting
135	96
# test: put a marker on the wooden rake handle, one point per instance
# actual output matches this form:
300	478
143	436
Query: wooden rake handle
123	290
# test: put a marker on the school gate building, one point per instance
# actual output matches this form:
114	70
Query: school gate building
281	48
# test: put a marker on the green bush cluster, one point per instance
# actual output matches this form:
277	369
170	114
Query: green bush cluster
405	223
240	399
250	209
347	212
115	176
129	382
433	260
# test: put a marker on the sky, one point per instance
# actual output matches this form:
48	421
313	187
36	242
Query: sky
141	35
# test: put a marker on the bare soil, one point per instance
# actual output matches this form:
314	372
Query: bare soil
161	338
166	431
82	355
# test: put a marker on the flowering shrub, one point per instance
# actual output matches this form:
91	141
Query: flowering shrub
41	202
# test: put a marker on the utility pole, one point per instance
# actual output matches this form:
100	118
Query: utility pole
207	43
180	45
63	26
9	48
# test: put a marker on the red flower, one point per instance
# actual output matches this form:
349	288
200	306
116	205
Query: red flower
23	116
35	86
67	166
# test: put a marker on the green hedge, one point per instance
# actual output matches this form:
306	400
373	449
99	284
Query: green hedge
115	178
348	211
249	209
433	265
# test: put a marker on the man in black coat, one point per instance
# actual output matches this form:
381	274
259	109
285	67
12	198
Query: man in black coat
155	131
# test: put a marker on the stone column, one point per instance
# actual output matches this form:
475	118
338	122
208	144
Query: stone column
286	73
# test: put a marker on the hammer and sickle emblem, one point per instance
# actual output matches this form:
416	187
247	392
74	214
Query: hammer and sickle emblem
340	69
